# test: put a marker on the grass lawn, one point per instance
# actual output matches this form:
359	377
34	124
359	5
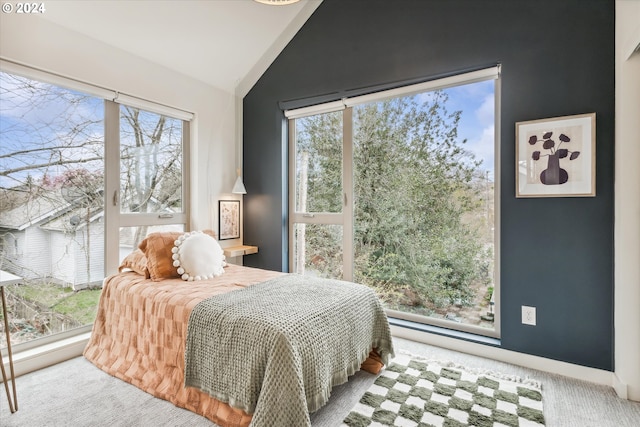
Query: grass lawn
79	305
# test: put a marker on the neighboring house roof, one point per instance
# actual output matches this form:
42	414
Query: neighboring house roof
50	211
73	219
33	210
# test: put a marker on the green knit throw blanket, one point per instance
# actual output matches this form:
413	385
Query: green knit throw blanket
276	349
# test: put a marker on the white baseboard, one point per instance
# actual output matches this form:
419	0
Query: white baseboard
570	370
620	387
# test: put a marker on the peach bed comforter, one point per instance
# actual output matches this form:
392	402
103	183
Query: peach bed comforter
140	332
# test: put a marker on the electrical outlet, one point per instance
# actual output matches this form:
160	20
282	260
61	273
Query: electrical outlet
528	315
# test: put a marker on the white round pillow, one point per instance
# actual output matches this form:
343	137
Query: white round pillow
197	256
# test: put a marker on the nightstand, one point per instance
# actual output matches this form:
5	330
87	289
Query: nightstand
234	251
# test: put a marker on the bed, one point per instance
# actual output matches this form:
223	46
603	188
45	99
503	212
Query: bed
161	333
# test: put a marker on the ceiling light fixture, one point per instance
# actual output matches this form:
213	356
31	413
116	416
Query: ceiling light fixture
277	2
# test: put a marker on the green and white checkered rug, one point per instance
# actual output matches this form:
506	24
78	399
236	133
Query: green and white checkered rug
412	392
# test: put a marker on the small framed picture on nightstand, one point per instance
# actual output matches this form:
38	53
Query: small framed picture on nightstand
228	219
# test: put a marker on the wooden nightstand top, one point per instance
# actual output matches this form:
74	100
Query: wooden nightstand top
234	251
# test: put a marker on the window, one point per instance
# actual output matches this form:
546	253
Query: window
396	190
83	180
150	190
318	216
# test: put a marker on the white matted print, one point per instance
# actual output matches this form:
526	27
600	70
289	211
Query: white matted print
229	219
556	157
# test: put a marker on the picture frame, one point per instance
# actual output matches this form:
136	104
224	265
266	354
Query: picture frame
228	219
555	157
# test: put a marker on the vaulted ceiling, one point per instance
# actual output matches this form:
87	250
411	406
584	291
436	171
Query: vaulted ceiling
225	43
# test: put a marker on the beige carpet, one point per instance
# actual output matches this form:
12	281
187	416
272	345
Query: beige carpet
76	393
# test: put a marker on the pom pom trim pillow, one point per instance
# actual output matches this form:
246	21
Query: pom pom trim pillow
197	256
157	247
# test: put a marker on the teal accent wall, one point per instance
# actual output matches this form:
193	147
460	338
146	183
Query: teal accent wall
557	59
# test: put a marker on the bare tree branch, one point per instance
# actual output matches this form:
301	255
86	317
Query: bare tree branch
46	149
43	165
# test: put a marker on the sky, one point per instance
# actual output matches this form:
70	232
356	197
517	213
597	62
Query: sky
35	115
41	123
476	101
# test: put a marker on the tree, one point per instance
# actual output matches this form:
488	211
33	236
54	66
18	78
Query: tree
150	163
44	128
414	186
48	132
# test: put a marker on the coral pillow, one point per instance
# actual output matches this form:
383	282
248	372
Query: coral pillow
136	261
157	248
197	256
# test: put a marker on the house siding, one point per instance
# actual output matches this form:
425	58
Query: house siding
34	262
63	257
94	275
37	253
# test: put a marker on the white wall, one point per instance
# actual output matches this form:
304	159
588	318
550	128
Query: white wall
33	41
627	201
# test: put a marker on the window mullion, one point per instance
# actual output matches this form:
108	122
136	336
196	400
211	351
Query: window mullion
151	219
112	186
186	174
292	188
347	188
317	218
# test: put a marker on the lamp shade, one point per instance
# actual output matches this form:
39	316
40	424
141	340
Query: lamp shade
238	187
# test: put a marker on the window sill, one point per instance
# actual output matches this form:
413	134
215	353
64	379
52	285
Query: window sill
32	359
451	333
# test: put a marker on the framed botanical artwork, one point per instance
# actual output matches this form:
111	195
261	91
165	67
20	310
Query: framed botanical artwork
228	219
556	157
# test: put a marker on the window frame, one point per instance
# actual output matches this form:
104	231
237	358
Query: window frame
343	218
346	217
114	219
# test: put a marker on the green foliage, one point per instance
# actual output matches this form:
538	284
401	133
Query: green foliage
319	142
80	305
415	188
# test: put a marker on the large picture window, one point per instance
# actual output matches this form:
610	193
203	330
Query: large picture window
397	190
83	179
